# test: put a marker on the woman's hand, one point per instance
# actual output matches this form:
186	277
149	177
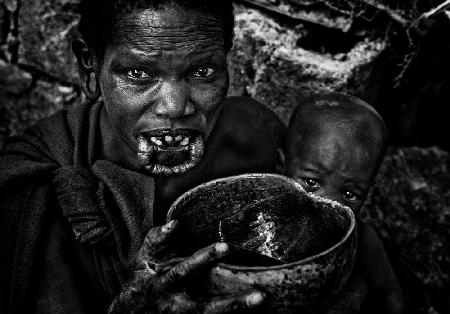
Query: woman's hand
160	286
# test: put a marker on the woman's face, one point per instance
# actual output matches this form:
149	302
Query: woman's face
163	79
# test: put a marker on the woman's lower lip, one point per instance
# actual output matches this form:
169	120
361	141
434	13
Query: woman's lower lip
169	159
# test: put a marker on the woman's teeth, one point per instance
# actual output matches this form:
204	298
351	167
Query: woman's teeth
168	140
184	141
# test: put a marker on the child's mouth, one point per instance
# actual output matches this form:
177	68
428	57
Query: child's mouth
168	152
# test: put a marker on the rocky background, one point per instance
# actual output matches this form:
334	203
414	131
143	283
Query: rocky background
395	54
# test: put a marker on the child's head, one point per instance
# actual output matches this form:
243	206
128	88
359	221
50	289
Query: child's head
334	147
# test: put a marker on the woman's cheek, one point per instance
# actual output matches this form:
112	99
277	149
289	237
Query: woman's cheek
208	96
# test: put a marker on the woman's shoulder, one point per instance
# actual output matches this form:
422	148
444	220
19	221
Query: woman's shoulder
248	119
243	108
246	138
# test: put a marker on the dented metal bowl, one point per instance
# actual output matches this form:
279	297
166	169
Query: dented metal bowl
312	239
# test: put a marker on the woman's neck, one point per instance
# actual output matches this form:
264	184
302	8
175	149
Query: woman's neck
113	147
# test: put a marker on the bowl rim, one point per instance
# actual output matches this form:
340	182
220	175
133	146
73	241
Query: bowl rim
332	203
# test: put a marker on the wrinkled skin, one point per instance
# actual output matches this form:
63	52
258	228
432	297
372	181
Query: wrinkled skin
163	77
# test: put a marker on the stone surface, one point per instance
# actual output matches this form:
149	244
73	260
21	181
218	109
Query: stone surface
13	80
9	41
37	69
409	205
17	112
285	50
269	64
325	13
45	37
2	17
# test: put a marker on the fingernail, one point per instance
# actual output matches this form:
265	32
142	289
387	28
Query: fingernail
222	247
168	226
255	298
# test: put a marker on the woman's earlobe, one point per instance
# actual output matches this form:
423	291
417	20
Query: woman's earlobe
91	86
281	161
87	68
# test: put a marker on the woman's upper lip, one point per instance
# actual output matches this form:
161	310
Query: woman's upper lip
171	132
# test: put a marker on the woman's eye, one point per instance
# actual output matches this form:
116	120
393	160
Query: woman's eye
311	183
204	72
138	74
350	196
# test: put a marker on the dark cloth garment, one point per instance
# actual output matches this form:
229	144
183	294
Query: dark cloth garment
70	222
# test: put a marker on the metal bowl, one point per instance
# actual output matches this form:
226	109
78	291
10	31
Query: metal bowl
312	239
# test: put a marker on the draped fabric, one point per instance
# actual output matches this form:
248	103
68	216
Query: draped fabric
44	173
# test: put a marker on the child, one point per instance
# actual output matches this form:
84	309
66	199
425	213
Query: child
335	145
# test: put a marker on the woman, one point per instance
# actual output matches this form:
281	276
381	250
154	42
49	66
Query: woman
84	194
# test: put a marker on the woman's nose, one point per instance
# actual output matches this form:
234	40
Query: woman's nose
173	100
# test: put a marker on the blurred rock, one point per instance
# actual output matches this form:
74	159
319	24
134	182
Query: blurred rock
18	112
269	63
9	29
409	206
325	13
10	5
2	17
13	80
45	33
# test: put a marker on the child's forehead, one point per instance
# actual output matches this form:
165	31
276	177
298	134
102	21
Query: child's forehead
326	143
335	148
329	156
357	126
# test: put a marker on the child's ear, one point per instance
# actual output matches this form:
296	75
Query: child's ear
281	161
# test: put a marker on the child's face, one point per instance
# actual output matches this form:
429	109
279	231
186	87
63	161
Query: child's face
334	166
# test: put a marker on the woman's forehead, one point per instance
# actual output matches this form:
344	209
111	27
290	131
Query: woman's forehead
168	28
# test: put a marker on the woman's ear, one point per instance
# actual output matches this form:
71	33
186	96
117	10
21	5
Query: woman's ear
87	68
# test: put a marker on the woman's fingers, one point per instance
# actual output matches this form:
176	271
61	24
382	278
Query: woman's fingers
201	260
235	304
156	240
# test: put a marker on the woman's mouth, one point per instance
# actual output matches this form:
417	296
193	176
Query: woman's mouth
168	152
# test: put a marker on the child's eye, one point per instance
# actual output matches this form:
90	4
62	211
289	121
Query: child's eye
350	196
312	184
204	72
137	74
